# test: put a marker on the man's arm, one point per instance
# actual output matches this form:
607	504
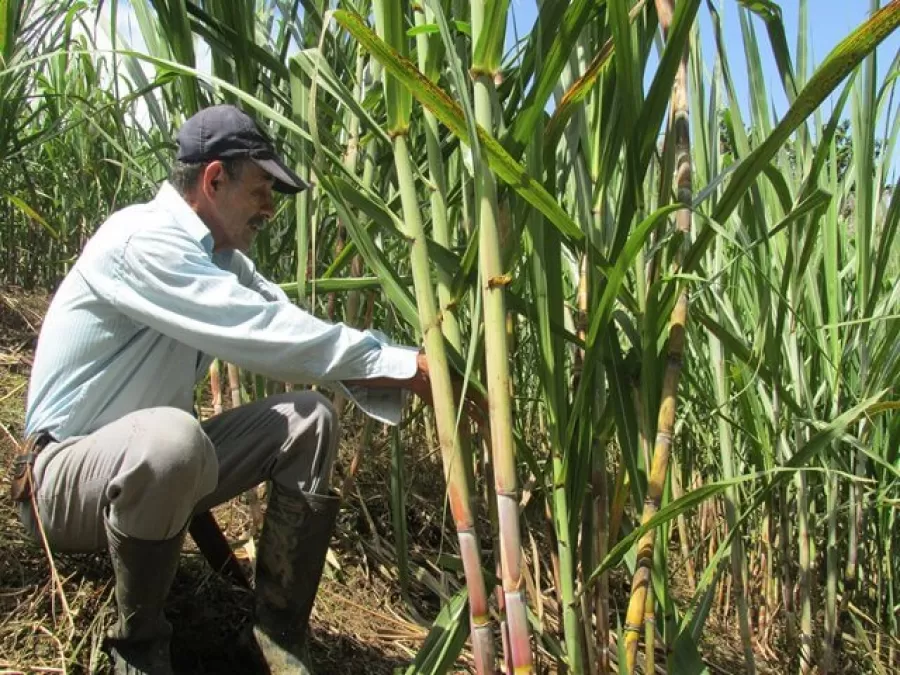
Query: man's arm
167	282
475	405
419	383
246	272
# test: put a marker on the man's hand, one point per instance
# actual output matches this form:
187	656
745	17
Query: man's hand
475	406
420	384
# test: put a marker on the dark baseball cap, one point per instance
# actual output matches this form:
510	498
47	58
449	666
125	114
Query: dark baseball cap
225	132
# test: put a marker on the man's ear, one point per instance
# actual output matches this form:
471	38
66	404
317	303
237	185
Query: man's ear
212	176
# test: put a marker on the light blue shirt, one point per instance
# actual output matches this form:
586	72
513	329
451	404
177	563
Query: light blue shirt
139	317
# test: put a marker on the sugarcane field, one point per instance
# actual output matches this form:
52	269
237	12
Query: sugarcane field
425	337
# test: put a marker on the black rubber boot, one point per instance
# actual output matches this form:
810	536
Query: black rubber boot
139	641
289	563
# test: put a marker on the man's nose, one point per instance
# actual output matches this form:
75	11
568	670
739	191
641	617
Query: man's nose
267	210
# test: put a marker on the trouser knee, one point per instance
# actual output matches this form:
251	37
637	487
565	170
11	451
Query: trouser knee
309	451
169	469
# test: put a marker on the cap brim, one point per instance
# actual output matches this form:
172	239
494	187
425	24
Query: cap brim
286	181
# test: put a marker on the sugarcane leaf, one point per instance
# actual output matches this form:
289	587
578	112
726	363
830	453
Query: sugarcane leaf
445	640
450	114
314	65
770	13
489	46
575	95
685	656
837	65
22	206
562	33
389	19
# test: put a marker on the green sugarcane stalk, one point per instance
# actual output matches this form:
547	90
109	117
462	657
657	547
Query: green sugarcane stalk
440	224
831	583
732	502
485	64
680	129
390	22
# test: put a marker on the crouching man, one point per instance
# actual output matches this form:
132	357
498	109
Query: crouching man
116	460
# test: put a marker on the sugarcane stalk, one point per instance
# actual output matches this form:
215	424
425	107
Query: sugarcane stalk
493	280
234	384
455	464
831	582
805	558
600	489
649	632
390	19
215	386
601	543
680	129
726	453
440	224
804	577
684	537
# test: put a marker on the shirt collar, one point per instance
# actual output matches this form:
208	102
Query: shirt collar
169	200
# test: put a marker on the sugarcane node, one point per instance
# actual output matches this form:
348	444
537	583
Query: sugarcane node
481	620
645	559
398	133
675	360
663	436
499	281
477	71
632	628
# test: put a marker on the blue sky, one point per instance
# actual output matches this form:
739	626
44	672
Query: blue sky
830	22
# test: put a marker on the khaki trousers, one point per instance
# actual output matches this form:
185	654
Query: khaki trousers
153	469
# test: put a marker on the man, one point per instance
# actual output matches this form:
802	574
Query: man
119	461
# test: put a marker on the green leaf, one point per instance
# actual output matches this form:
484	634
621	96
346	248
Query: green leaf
390	16
445	640
450	114
32	214
837	65
491	34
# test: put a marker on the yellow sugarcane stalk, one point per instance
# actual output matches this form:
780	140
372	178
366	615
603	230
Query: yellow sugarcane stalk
680	129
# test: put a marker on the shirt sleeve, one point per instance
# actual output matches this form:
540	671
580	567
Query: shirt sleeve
246	273
167	281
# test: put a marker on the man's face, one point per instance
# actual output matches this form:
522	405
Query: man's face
242	204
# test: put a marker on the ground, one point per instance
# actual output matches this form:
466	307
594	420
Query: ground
361	623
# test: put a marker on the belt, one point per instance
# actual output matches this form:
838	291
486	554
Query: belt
22	484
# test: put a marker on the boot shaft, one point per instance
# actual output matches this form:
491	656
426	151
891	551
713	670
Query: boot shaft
291	556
